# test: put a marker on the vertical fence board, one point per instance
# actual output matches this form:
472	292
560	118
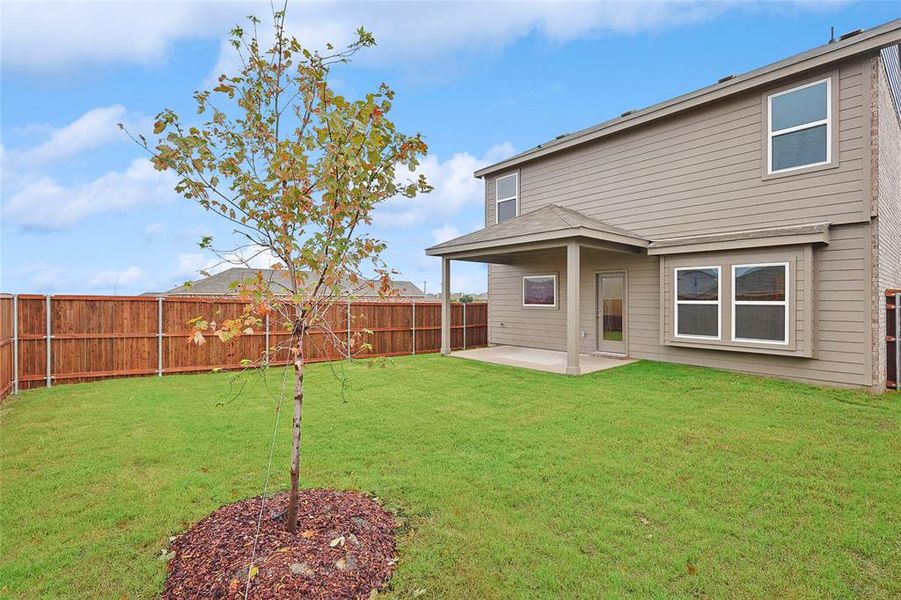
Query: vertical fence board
100	337
7	369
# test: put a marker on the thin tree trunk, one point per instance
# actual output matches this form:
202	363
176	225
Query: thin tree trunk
295	435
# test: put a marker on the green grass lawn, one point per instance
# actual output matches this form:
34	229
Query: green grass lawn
647	480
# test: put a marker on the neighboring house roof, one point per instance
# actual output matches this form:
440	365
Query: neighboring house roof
220	284
865	41
548	223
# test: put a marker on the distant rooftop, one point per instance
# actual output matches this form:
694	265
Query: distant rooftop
220	284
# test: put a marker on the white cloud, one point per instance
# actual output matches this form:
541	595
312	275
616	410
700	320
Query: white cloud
55	35
44	203
444	233
93	129
44	35
455	189
190	264
416	32
152	231
43	278
115	279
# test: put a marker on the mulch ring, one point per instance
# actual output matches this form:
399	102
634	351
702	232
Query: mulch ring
344	548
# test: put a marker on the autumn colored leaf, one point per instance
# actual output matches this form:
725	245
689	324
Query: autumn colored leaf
297	170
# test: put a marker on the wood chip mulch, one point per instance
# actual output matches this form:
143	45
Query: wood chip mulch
344	548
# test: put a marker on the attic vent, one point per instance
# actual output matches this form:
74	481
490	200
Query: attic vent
726	78
561	136
628	112
850	34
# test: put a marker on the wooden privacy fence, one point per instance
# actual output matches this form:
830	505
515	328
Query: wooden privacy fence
48	340
892	337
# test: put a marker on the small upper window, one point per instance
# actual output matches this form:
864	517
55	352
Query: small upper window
506	197
539	290
697	302
800	127
760	303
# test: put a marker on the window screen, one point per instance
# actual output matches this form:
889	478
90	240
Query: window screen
506	197
697	302
760	303
799	127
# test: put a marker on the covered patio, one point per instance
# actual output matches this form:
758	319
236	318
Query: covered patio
549	228
550	361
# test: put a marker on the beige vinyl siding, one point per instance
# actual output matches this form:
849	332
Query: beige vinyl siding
701	171
490	206
509	322
839	319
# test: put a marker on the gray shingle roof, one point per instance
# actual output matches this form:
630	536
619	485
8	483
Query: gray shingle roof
219	284
551	222
749	234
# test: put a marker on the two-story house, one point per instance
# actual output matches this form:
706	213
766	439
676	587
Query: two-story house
751	225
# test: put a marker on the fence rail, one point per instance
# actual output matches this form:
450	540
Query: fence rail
49	340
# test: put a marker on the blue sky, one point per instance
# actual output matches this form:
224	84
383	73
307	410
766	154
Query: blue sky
82	212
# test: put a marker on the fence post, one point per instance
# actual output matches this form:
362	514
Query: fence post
49	338
266	340
348	329
413	323
464	325
15	344
159	336
897	343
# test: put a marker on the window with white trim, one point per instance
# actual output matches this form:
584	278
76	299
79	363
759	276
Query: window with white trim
760	303
506	197
799	127
539	290
697	302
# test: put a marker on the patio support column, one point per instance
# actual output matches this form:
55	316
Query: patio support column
573	272
445	307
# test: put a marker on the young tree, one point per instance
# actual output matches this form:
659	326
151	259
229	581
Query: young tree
297	169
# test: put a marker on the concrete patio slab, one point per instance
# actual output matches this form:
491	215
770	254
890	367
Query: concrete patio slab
550	361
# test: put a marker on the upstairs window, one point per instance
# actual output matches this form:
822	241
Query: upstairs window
506	197
760	303
799	127
697	302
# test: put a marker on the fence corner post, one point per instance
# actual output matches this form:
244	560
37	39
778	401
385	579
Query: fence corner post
159	336
49	338
413	327
15	344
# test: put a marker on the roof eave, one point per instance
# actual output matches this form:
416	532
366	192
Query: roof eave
874	39
816	233
557	235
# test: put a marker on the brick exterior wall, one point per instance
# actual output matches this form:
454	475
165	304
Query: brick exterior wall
886	173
